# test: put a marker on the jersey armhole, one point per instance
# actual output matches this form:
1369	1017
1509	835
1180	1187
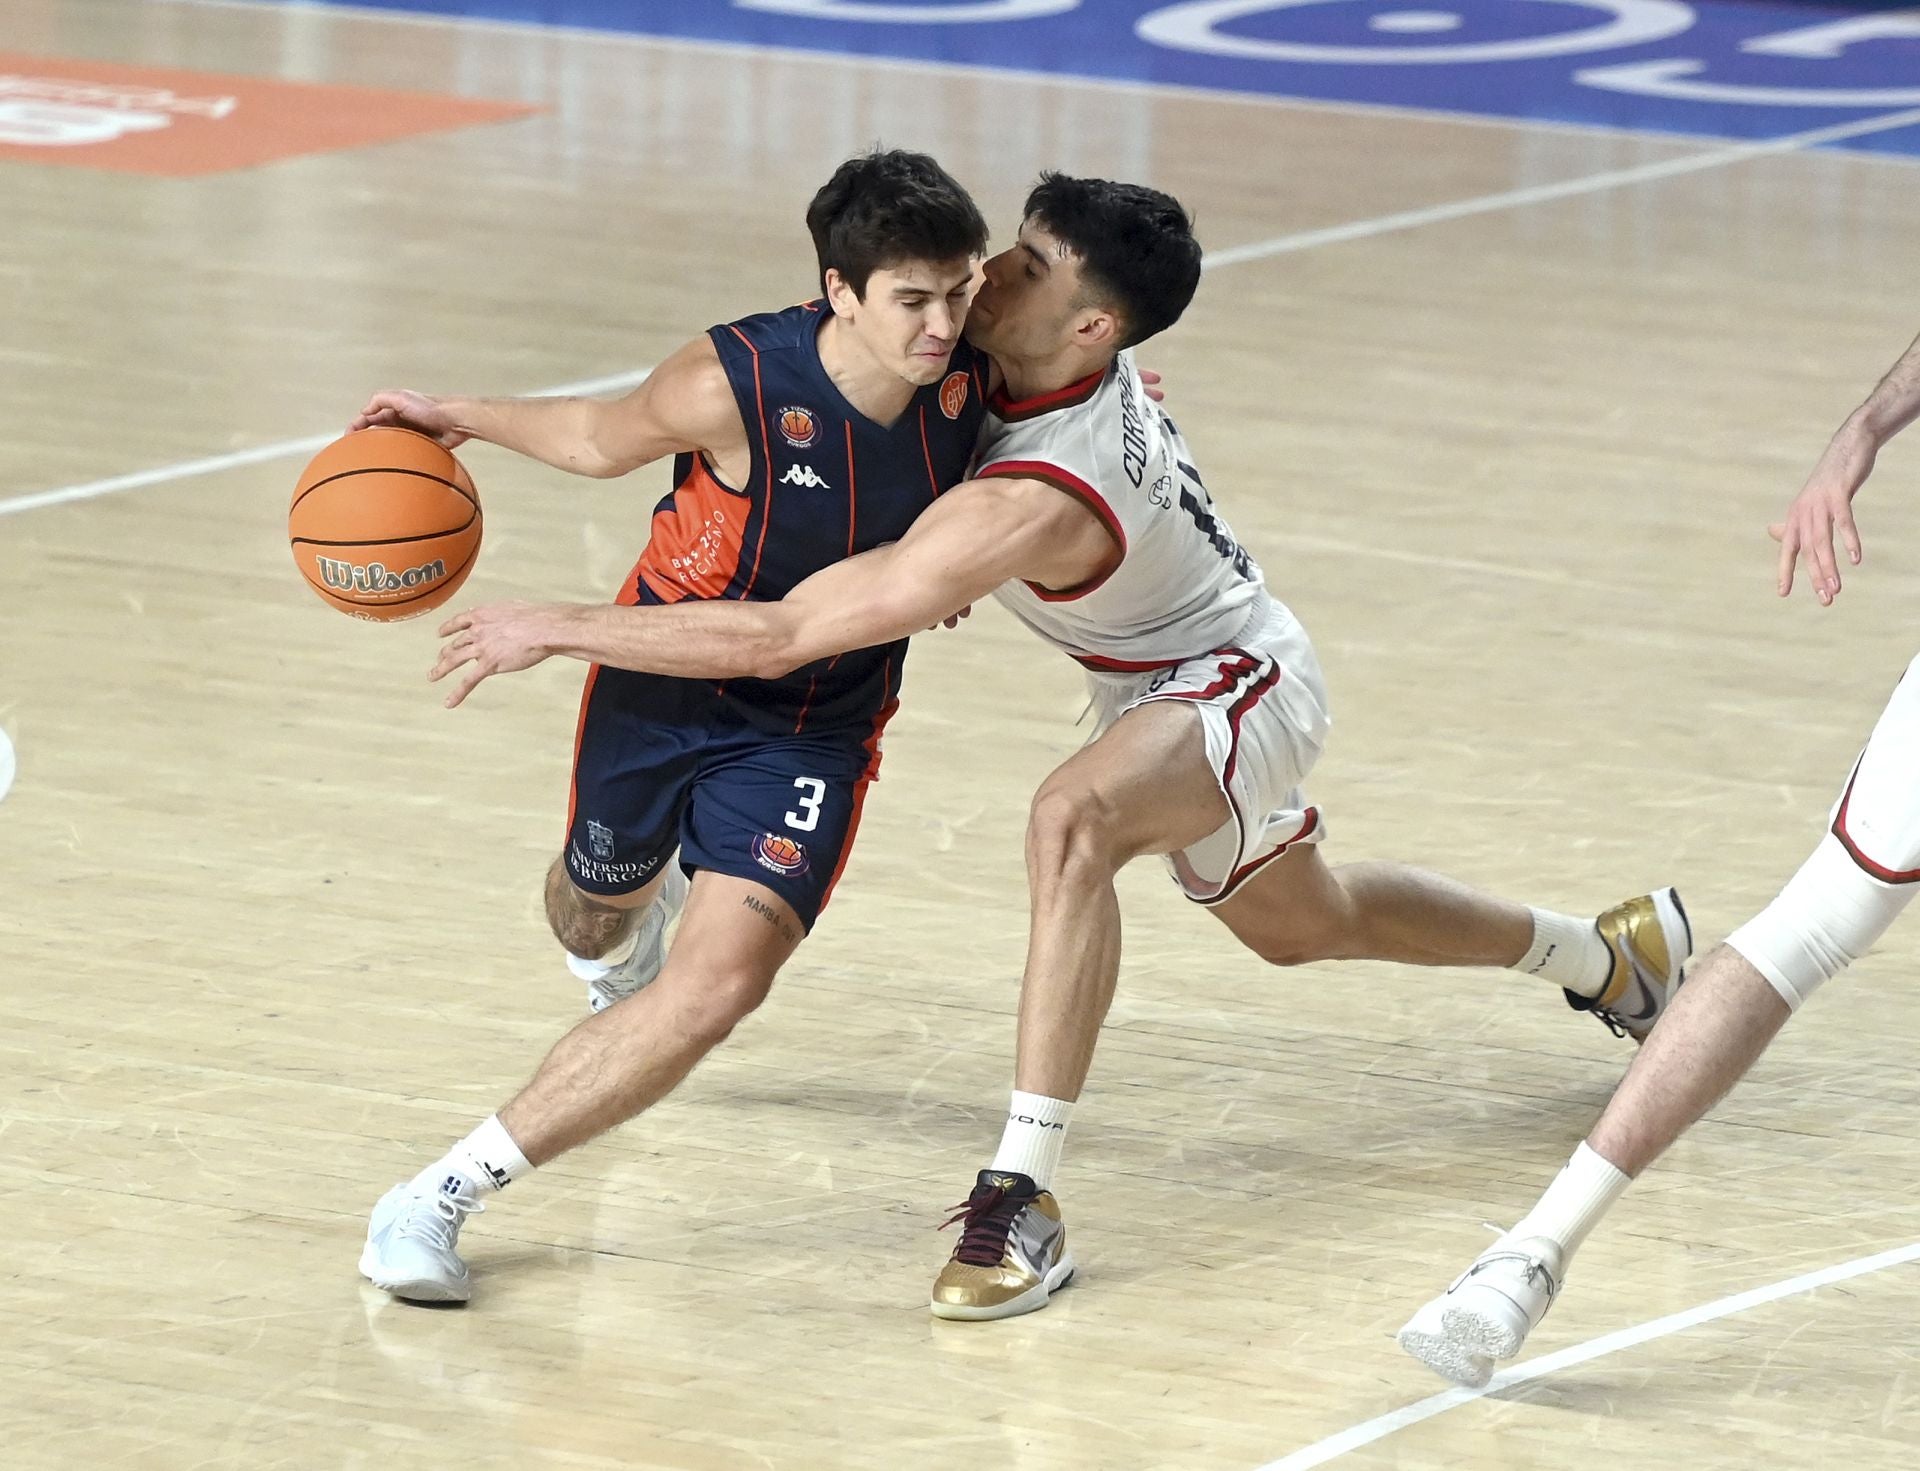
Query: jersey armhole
1073	485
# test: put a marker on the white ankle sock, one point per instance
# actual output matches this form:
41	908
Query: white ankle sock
1567	951
1036	1132
487	1159
1587	1185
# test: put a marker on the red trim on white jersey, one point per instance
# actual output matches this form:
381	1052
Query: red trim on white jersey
1013	409
1074	486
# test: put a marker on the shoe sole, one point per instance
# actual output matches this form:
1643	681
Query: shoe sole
1481	1333
1031	1301
411	1289
1448	1358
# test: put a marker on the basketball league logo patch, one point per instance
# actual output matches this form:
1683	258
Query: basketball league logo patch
953	395
799	428
780	853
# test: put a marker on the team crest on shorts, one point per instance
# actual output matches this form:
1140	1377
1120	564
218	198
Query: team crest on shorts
953	395
600	839
798	427
781	854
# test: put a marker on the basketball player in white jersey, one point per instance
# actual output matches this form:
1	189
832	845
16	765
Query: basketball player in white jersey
1086	514
1843	898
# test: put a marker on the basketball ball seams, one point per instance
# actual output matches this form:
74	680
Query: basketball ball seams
464	495
389	541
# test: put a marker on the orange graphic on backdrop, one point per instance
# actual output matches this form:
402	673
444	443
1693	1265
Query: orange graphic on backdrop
150	120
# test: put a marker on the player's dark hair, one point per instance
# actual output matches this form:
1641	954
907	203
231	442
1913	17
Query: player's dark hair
888	207
1136	247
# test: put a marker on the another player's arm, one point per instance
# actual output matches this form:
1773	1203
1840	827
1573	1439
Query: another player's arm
971	540
685	404
1825	502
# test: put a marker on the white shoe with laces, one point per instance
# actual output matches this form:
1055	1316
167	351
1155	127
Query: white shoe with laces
411	1239
1488	1312
607	984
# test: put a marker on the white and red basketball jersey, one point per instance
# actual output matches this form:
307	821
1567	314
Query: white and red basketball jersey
1183	585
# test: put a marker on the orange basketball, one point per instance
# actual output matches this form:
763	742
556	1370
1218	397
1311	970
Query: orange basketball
385	524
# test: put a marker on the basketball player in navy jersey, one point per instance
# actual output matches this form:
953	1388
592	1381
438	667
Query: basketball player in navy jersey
800	438
1089	521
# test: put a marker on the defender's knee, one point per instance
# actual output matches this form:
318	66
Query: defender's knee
1072	830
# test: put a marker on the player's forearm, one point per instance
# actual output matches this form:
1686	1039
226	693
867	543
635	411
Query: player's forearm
694	640
561	432
1893	405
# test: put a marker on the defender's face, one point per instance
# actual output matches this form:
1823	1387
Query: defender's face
912	315
1027	306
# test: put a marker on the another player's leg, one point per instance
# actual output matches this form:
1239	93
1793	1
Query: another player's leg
1732	1006
732	942
1840	902
1144	786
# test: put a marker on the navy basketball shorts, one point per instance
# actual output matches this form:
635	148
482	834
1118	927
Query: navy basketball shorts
666	763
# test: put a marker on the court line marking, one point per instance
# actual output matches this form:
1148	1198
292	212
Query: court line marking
278	450
1380	1426
974	69
1230	256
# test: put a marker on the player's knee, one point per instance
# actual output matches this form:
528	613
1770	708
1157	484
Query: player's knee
1071	828
1827	916
722	1001
1302	938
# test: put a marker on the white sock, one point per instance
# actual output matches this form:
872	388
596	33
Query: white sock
1567	951
1583	1191
487	1159
1036	1133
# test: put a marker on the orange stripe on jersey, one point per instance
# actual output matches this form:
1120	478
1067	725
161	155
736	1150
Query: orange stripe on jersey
695	547
867	778
853	502
766	459
927	450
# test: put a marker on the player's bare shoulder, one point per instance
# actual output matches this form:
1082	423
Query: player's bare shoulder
686	405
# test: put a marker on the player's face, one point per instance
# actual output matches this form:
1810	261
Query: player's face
1029	304
912	315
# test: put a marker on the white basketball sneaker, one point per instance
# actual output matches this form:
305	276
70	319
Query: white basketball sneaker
607	984
1488	1312
1651	940
411	1239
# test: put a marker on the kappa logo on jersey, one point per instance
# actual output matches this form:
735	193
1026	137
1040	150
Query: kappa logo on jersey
804	475
953	395
798	427
781	854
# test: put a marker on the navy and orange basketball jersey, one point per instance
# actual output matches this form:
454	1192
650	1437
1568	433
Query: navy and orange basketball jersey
826	484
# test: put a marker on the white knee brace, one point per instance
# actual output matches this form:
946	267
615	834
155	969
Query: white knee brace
1826	918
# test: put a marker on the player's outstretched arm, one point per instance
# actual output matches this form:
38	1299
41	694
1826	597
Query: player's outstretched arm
1825	502
684	404
967	543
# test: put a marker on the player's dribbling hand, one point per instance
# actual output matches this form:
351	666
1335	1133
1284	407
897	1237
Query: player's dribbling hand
405	409
499	638
1825	502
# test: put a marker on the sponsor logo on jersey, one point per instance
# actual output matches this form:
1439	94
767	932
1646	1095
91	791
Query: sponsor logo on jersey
374	577
798	427
953	395
780	853
804	475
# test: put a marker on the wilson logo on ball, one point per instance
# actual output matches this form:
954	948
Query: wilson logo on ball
374	577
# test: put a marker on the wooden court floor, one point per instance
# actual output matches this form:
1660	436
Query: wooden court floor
269	935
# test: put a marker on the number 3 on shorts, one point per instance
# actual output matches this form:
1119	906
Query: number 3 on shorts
808	817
